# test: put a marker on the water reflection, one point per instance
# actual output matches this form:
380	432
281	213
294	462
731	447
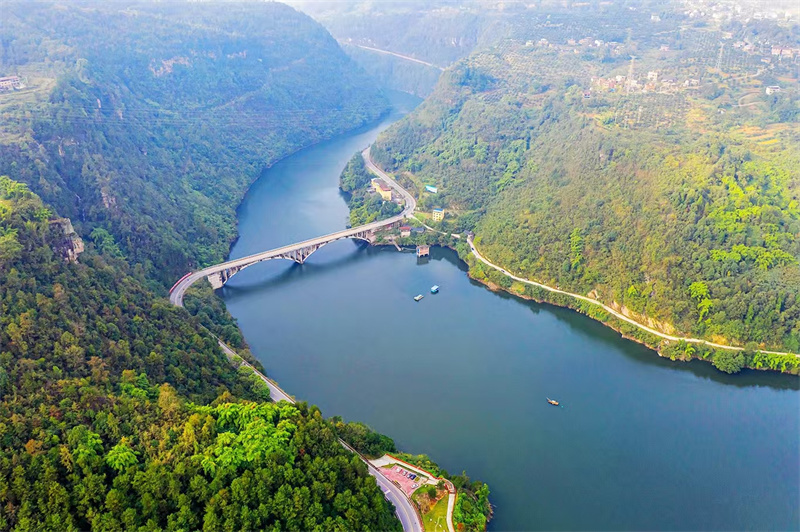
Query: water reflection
343	254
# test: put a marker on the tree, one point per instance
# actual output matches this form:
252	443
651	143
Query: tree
698	290
121	456
728	361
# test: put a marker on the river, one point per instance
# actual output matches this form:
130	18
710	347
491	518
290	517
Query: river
640	443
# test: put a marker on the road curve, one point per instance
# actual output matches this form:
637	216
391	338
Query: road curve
403	507
388	459
410	201
613	312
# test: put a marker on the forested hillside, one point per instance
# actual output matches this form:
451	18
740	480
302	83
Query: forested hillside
151	120
101	419
667	186
144	124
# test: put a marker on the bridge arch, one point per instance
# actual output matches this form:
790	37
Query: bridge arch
297	254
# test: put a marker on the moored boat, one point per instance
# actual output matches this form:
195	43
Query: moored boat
434	289
552	401
418	297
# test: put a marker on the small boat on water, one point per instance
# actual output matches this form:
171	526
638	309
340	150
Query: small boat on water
552	401
435	289
418	297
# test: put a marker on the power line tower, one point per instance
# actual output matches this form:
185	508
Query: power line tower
719	57
630	74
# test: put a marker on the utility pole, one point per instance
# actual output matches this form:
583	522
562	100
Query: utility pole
719	58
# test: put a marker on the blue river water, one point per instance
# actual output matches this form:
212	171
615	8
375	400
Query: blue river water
640	442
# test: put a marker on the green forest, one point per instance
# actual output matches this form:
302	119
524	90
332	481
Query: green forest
117	412
678	207
161	115
141	126
122	161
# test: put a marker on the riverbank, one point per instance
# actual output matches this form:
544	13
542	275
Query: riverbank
730	359
727	358
244	360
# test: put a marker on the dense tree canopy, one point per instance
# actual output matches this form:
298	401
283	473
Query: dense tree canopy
161	115
101	423
669	200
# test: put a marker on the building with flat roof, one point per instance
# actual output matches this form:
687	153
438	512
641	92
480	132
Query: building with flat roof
438	215
383	189
423	251
10	82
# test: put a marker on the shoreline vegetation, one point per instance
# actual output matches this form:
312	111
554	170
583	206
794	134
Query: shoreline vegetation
646	189
472	510
727	358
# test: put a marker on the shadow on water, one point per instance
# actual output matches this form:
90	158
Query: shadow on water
584	326
233	291
579	324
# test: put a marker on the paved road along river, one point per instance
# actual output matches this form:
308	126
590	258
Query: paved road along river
640	443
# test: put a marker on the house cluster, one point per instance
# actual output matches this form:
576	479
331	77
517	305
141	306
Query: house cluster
785	52
653	83
776	51
735	10
576	46
407	230
9	83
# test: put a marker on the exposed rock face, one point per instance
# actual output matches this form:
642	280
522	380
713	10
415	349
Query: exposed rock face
661	326
71	246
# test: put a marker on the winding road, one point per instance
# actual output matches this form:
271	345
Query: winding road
403	506
613	312
406	512
388	459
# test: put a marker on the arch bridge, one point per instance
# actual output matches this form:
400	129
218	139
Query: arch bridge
221	273
299	252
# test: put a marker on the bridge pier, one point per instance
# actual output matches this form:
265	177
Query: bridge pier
219	279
